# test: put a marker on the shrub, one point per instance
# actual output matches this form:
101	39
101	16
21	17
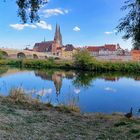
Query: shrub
83	60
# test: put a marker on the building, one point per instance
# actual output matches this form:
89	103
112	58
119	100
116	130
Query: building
68	51
50	47
56	46
135	55
107	49
110	52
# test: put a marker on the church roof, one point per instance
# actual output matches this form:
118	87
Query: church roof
69	47
43	46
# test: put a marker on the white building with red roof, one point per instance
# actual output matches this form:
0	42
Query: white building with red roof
109	52
107	49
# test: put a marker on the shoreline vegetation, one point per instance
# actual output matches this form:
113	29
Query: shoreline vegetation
93	65
26	118
82	60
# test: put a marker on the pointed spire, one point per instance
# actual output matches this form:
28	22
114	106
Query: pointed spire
58	36
44	39
57	29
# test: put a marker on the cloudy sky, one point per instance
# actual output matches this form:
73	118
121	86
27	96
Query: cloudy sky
89	22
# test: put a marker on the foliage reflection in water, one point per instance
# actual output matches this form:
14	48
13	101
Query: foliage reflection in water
91	92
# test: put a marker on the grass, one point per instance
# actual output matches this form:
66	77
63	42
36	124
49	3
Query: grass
22	117
94	65
121	124
18	96
67	108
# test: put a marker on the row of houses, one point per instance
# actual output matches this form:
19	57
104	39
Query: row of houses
106	50
113	52
109	52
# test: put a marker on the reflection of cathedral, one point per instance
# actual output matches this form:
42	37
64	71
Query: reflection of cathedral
56	77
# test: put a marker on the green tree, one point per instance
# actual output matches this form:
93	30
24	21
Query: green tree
28	9
83	59
130	24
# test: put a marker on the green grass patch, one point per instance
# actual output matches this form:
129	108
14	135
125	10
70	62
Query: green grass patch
134	131
120	124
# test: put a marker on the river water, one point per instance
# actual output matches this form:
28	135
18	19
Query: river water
91	92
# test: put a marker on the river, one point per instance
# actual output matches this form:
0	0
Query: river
91	92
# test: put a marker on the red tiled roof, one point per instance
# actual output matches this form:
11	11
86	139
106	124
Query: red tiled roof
135	51
69	47
94	48
109	47
43	46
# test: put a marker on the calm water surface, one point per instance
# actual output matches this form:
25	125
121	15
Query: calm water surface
92	92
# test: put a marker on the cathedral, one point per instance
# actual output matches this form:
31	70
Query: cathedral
51	47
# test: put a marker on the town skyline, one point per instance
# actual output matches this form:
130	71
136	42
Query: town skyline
85	28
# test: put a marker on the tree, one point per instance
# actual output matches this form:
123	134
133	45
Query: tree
130	24
83	59
29	9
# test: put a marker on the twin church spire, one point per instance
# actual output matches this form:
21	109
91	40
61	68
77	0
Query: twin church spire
58	36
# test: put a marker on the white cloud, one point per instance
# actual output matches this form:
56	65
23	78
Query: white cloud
110	89
76	29
22	26
44	25
31	26
41	24
44	92
110	32
53	12
77	91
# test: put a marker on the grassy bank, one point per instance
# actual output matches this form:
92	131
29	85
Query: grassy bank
39	64
23	118
93	65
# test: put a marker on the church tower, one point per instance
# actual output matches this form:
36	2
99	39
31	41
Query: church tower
57	40
58	36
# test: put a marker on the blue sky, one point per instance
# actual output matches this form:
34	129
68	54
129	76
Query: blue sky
89	22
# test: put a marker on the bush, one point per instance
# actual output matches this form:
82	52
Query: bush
83	60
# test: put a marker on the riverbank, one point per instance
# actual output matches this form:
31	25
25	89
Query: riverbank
20	119
92	65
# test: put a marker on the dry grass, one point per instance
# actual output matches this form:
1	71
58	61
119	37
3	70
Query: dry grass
23	118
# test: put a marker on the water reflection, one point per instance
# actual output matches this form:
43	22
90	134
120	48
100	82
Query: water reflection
110	89
55	76
91	91
83	79
3	70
